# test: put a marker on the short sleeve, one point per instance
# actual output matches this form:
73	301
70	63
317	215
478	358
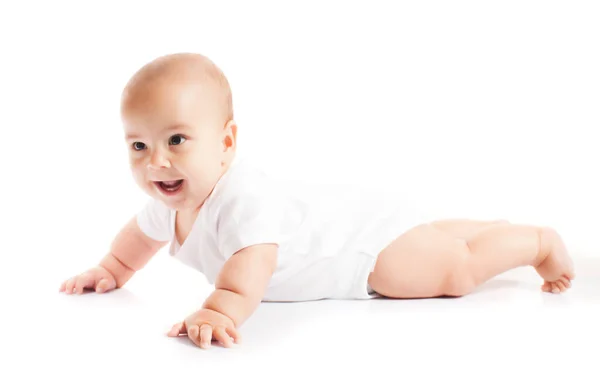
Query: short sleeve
155	220
249	219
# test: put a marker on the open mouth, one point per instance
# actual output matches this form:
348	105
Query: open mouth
169	187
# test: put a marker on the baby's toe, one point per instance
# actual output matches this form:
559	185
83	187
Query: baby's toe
566	282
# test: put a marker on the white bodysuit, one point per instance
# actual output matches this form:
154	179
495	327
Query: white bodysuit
328	240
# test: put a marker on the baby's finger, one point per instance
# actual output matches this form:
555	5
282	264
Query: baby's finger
104	285
234	334
70	286
194	334
177	329
85	280
205	335
222	336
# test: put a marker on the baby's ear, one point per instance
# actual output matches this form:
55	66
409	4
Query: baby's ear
230	135
230	124
231	127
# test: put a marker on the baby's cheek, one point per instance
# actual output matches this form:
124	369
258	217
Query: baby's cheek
135	159
137	165
138	174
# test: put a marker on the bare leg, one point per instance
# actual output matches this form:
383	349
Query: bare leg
465	228
429	262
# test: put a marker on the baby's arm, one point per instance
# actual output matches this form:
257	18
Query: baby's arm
239	289
249	231
129	252
242	282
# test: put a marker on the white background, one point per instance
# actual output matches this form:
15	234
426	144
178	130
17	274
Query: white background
472	109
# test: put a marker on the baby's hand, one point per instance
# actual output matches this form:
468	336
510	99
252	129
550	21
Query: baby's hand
205	324
97	278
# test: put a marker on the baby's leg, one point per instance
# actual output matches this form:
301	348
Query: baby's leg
465	228
429	262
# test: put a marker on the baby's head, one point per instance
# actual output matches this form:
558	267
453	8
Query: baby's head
178	120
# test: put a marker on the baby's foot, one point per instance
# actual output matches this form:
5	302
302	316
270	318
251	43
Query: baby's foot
556	268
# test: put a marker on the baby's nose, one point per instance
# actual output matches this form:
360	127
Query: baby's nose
158	161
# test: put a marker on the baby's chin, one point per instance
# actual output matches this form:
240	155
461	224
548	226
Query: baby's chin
183	202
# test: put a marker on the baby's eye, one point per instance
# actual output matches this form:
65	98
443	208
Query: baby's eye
138	146
176	139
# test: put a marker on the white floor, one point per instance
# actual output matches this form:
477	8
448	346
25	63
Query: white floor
506	336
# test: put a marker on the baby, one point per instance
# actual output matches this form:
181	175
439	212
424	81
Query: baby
257	240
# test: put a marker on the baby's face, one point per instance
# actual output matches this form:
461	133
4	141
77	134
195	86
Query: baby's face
177	148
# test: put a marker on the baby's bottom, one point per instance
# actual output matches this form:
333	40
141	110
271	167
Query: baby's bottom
452	258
